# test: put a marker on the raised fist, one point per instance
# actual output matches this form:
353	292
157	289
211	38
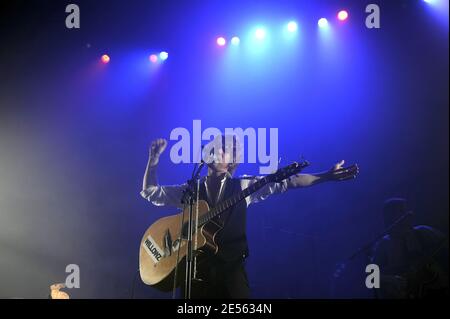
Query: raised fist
156	149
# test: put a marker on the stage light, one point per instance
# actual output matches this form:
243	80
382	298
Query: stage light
342	15
292	26
323	23
439	10
105	58
260	33
221	41
153	58
163	55
235	40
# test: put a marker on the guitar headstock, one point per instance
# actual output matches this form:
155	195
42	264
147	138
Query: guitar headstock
286	172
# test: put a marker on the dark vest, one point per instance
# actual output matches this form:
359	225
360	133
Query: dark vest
232	239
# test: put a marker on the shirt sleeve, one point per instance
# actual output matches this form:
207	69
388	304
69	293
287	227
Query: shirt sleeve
169	195
264	192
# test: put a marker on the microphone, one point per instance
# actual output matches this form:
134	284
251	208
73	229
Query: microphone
198	169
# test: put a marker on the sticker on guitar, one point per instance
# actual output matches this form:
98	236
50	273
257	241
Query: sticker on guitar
153	249
155	252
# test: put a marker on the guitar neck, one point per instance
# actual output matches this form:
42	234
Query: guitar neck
228	203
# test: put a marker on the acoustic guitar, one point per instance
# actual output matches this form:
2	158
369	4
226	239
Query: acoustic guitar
164	244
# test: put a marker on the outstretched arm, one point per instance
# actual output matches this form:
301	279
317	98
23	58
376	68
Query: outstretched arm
337	173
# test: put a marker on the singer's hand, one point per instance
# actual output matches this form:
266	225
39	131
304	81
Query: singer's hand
157	147
55	292
340	173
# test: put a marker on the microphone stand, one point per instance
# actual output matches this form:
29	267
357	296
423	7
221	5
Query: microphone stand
367	246
340	267
189	197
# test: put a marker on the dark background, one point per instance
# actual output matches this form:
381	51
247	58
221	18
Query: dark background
74	133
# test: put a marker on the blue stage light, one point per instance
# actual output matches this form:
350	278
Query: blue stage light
260	33
235	40
292	26
322	23
163	55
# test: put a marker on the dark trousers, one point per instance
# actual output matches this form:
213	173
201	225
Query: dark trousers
220	280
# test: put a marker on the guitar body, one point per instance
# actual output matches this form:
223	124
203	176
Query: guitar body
158	253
